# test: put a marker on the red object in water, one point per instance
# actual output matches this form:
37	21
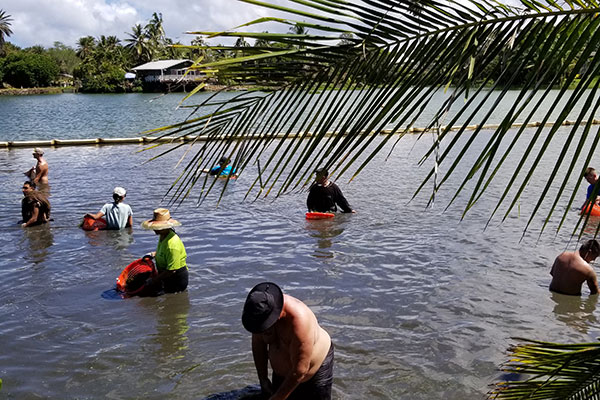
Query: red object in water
91	224
595	210
132	279
319	215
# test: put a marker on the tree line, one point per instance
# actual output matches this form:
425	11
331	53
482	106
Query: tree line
95	65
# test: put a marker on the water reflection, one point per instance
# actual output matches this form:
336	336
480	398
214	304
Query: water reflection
575	311
40	239
324	230
592	226
119	239
172	324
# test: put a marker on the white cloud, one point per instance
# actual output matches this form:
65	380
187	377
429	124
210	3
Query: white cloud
45	21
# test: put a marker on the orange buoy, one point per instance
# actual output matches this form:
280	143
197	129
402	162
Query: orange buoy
319	215
91	224
133	277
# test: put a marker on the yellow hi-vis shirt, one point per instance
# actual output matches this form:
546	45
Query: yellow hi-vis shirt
170	253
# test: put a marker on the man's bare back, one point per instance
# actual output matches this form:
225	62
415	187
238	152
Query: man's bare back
41	169
287	335
569	272
39	173
296	335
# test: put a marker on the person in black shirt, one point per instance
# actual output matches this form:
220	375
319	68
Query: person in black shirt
325	196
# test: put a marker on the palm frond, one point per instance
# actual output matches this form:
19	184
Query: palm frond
551	371
341	104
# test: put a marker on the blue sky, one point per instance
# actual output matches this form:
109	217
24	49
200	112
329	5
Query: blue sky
42	22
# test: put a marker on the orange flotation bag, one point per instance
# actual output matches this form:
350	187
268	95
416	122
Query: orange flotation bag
319	215
91	224
131	281
595	210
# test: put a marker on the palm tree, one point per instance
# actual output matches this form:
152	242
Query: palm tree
155	34
138	44
5	31
85	47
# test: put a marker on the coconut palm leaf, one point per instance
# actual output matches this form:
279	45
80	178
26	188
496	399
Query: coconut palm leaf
340	104
551	371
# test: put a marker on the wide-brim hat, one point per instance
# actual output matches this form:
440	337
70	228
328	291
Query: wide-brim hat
161	220
263	307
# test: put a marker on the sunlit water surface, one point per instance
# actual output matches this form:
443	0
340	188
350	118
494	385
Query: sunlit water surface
420	305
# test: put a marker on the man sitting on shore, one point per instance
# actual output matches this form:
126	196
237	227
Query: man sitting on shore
572	268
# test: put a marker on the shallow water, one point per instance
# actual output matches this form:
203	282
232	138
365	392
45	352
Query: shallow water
420	304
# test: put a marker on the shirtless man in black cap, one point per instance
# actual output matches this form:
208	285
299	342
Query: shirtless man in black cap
286	333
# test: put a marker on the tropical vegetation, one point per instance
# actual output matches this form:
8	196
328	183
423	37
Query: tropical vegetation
340	104
95	65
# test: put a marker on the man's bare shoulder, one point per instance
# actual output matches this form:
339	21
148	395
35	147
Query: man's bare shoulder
566	256
300	314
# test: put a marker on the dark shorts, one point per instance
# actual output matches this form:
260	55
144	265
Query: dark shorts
316	388
177	282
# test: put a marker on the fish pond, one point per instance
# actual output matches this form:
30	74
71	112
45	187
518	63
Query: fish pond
419	303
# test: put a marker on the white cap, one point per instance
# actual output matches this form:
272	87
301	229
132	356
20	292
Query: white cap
119	191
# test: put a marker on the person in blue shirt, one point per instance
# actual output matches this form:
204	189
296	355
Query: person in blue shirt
591	177
117	214
223	168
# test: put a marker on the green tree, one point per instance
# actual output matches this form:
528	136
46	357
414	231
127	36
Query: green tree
25	69
5	31
156	36
103	65
85	47
64	56
139	44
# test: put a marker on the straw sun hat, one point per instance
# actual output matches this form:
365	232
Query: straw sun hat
161	220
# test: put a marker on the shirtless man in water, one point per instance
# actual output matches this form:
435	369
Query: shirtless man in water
572	268
39	173
285	332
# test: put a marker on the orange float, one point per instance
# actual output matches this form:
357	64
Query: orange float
595	210
91	224
131	281
319	215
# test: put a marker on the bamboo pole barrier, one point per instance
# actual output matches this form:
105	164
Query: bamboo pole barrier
190	138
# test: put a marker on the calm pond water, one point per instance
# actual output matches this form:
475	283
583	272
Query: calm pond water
420	305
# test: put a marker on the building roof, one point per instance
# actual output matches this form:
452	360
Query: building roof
160	65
